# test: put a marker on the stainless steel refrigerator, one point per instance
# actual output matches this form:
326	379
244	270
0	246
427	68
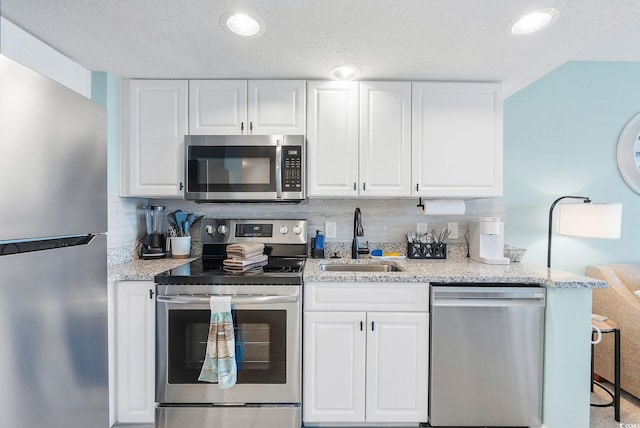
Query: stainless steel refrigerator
53	273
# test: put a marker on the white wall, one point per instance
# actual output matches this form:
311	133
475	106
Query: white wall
24	48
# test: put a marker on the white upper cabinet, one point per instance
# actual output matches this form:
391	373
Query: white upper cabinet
385	139
457	140
277	107
217	107
154	123
332	139
376	162
241	107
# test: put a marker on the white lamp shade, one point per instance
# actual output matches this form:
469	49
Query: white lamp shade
590	220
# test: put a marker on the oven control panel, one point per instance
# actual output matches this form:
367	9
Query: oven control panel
267	231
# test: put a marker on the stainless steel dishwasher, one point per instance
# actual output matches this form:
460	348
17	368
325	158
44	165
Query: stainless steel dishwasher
486	355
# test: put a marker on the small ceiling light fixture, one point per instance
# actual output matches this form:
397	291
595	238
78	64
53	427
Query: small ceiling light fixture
533	22
346	72
242	24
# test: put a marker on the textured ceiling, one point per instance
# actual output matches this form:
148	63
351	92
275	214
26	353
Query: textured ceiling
387	39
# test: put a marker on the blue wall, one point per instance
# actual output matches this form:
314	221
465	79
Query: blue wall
105	90
560	138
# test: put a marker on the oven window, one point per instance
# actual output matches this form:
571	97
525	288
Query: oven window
260	337
231	169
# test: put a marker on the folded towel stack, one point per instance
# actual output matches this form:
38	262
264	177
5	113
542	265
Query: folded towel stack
245	257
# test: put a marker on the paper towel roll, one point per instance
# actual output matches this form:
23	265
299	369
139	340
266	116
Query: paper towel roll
443	207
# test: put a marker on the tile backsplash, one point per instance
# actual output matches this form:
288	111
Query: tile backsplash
385	221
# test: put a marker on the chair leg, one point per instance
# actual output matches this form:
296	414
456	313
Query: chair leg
616	398
592	361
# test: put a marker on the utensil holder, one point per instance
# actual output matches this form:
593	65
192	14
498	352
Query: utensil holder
430	250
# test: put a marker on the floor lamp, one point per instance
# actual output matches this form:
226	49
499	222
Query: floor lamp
586	220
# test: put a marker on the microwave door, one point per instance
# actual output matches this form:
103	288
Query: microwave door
245	168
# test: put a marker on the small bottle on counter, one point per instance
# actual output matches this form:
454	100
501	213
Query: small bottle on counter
318	245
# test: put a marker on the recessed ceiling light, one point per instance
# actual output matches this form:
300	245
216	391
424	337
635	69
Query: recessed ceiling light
346	72
242	23
533	22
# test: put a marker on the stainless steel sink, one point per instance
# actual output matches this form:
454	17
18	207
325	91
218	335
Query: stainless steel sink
358	268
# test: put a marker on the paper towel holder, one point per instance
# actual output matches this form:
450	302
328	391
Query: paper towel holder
442	206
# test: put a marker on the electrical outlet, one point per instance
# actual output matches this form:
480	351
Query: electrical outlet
330	229
453	227
422	228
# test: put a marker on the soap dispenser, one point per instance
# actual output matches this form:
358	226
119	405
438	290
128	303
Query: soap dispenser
318	245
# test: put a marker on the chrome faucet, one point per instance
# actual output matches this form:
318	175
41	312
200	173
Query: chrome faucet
357	231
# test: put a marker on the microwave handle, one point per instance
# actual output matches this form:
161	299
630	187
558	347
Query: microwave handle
279	169
240	300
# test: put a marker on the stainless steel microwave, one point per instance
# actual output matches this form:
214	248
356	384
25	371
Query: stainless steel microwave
245	168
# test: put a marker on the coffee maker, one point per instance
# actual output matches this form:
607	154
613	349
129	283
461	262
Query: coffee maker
153	244
486	241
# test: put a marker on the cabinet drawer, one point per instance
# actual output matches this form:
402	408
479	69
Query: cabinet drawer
365	296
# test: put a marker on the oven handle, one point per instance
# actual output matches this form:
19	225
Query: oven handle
240	300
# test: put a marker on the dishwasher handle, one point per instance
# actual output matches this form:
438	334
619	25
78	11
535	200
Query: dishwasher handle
489	296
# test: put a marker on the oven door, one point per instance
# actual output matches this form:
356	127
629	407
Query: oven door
268	347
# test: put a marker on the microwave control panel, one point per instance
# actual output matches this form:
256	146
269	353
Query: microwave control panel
292	171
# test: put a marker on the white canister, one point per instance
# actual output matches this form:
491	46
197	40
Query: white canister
180	247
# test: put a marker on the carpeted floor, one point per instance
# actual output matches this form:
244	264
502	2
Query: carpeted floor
603	417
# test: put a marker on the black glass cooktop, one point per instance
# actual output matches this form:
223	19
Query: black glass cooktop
278	270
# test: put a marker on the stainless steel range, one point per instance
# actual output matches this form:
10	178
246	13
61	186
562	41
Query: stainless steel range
267	308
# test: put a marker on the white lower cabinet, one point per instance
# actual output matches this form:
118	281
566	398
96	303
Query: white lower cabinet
369	366
334	367
135	352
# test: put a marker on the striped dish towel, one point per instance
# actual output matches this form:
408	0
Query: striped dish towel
220	359
245	249
249	262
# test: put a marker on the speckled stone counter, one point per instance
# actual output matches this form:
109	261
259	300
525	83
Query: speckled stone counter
451	270
143	270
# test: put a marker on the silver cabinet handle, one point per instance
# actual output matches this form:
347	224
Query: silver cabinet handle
244	300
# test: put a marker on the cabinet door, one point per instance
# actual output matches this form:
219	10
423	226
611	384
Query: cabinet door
334	367
218	107
154	114
385	139
332	139
397	367
277	107
135	352
457	139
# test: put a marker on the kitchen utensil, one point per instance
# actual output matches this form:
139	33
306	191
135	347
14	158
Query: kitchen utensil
181	217
443	233
171	218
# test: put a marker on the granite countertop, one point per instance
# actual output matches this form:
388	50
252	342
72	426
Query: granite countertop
451	270
143	270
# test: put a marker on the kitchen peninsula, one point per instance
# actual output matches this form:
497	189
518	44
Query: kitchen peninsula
567	318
